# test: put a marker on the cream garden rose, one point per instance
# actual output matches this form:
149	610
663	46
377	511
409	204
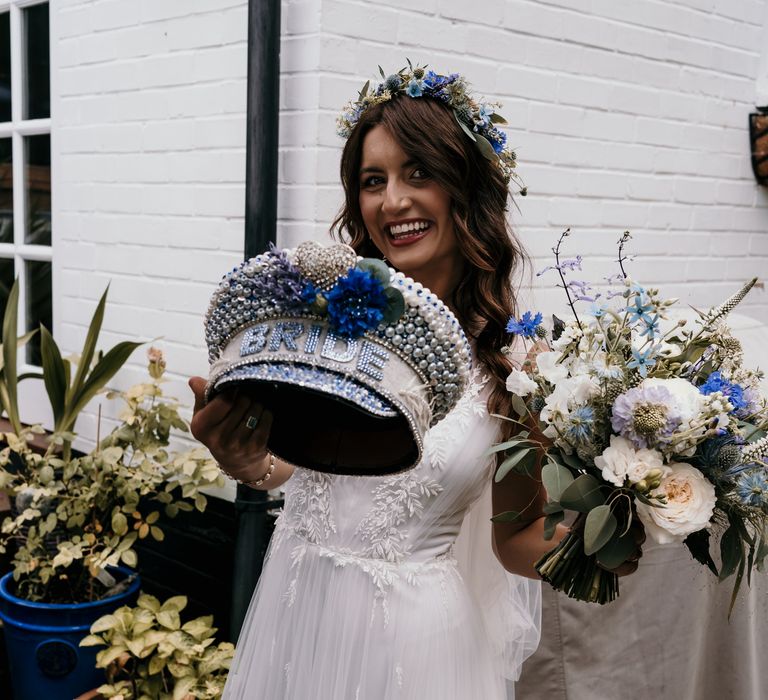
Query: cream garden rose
689	508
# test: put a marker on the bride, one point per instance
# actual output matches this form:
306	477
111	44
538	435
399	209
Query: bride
366	593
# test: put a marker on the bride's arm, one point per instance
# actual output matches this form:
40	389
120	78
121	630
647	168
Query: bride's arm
520	544
240	451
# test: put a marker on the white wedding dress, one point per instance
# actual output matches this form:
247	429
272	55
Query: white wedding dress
366	594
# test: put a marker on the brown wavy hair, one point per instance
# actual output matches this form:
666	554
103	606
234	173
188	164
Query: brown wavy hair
484	299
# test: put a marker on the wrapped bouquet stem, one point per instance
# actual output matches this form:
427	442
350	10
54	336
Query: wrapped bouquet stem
651	423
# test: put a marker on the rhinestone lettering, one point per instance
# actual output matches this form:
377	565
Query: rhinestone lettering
285	332
372	360
330	352
254	340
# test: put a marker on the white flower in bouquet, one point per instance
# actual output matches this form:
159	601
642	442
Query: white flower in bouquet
568	394
688	400
571	333
518	382
549	367
690	503
621	461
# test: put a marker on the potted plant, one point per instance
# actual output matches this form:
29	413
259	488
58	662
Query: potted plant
76	517
151	653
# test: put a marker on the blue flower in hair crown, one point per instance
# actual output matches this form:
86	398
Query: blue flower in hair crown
478	120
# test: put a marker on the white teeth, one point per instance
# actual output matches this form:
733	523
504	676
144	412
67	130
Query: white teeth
401	229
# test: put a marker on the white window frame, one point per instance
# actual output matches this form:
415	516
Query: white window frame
32	398
17	129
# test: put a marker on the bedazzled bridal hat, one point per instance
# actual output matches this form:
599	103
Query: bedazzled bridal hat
355	360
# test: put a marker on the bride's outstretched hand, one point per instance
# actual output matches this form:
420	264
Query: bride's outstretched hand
234	427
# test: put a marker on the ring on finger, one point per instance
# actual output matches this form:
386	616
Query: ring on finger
251	422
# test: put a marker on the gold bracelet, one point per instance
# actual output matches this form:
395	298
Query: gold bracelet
255	483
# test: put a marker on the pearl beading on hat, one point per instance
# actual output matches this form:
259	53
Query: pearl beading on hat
427	336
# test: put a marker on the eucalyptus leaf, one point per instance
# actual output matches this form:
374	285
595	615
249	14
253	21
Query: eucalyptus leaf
514	442
582	495
509	516
377	268
551	522
555	479
519	405
498	119
484	146
511	462
395	306
464	127
599	527
551	507
731	552
698	546
615	552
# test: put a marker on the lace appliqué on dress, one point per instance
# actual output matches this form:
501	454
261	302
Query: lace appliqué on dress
440	440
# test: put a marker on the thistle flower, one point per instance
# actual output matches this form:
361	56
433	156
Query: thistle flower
752	488
581	421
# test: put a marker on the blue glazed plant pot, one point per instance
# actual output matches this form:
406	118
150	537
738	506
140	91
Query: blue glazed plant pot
43	640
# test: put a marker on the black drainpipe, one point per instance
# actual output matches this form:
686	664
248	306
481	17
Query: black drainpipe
260	227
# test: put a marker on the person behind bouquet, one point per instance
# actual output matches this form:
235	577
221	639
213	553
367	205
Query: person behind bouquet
361	596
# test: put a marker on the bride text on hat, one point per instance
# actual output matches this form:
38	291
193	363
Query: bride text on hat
282	336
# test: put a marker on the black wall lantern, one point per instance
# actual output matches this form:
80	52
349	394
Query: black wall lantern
758	139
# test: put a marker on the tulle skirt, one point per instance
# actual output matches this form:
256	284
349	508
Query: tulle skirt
329	625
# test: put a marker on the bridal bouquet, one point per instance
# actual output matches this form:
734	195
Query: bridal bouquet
646	418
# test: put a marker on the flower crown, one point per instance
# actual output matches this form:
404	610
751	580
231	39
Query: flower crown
478	120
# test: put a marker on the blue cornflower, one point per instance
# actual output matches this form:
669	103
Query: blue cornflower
356	303
526	326
733	392
641	361
752	488
580	423
415	88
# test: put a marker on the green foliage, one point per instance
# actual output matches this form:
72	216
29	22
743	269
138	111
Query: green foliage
76	516
152	655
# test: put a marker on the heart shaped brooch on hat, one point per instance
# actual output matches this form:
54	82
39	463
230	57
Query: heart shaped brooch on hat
355	360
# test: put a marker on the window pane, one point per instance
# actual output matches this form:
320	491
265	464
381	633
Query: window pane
38	62
6	282
38	189
5	67
6	191
38	305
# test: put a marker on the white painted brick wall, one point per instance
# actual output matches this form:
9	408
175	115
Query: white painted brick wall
625	115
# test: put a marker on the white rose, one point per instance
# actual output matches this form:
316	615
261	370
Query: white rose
518	382
622	461
549	368
689	508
